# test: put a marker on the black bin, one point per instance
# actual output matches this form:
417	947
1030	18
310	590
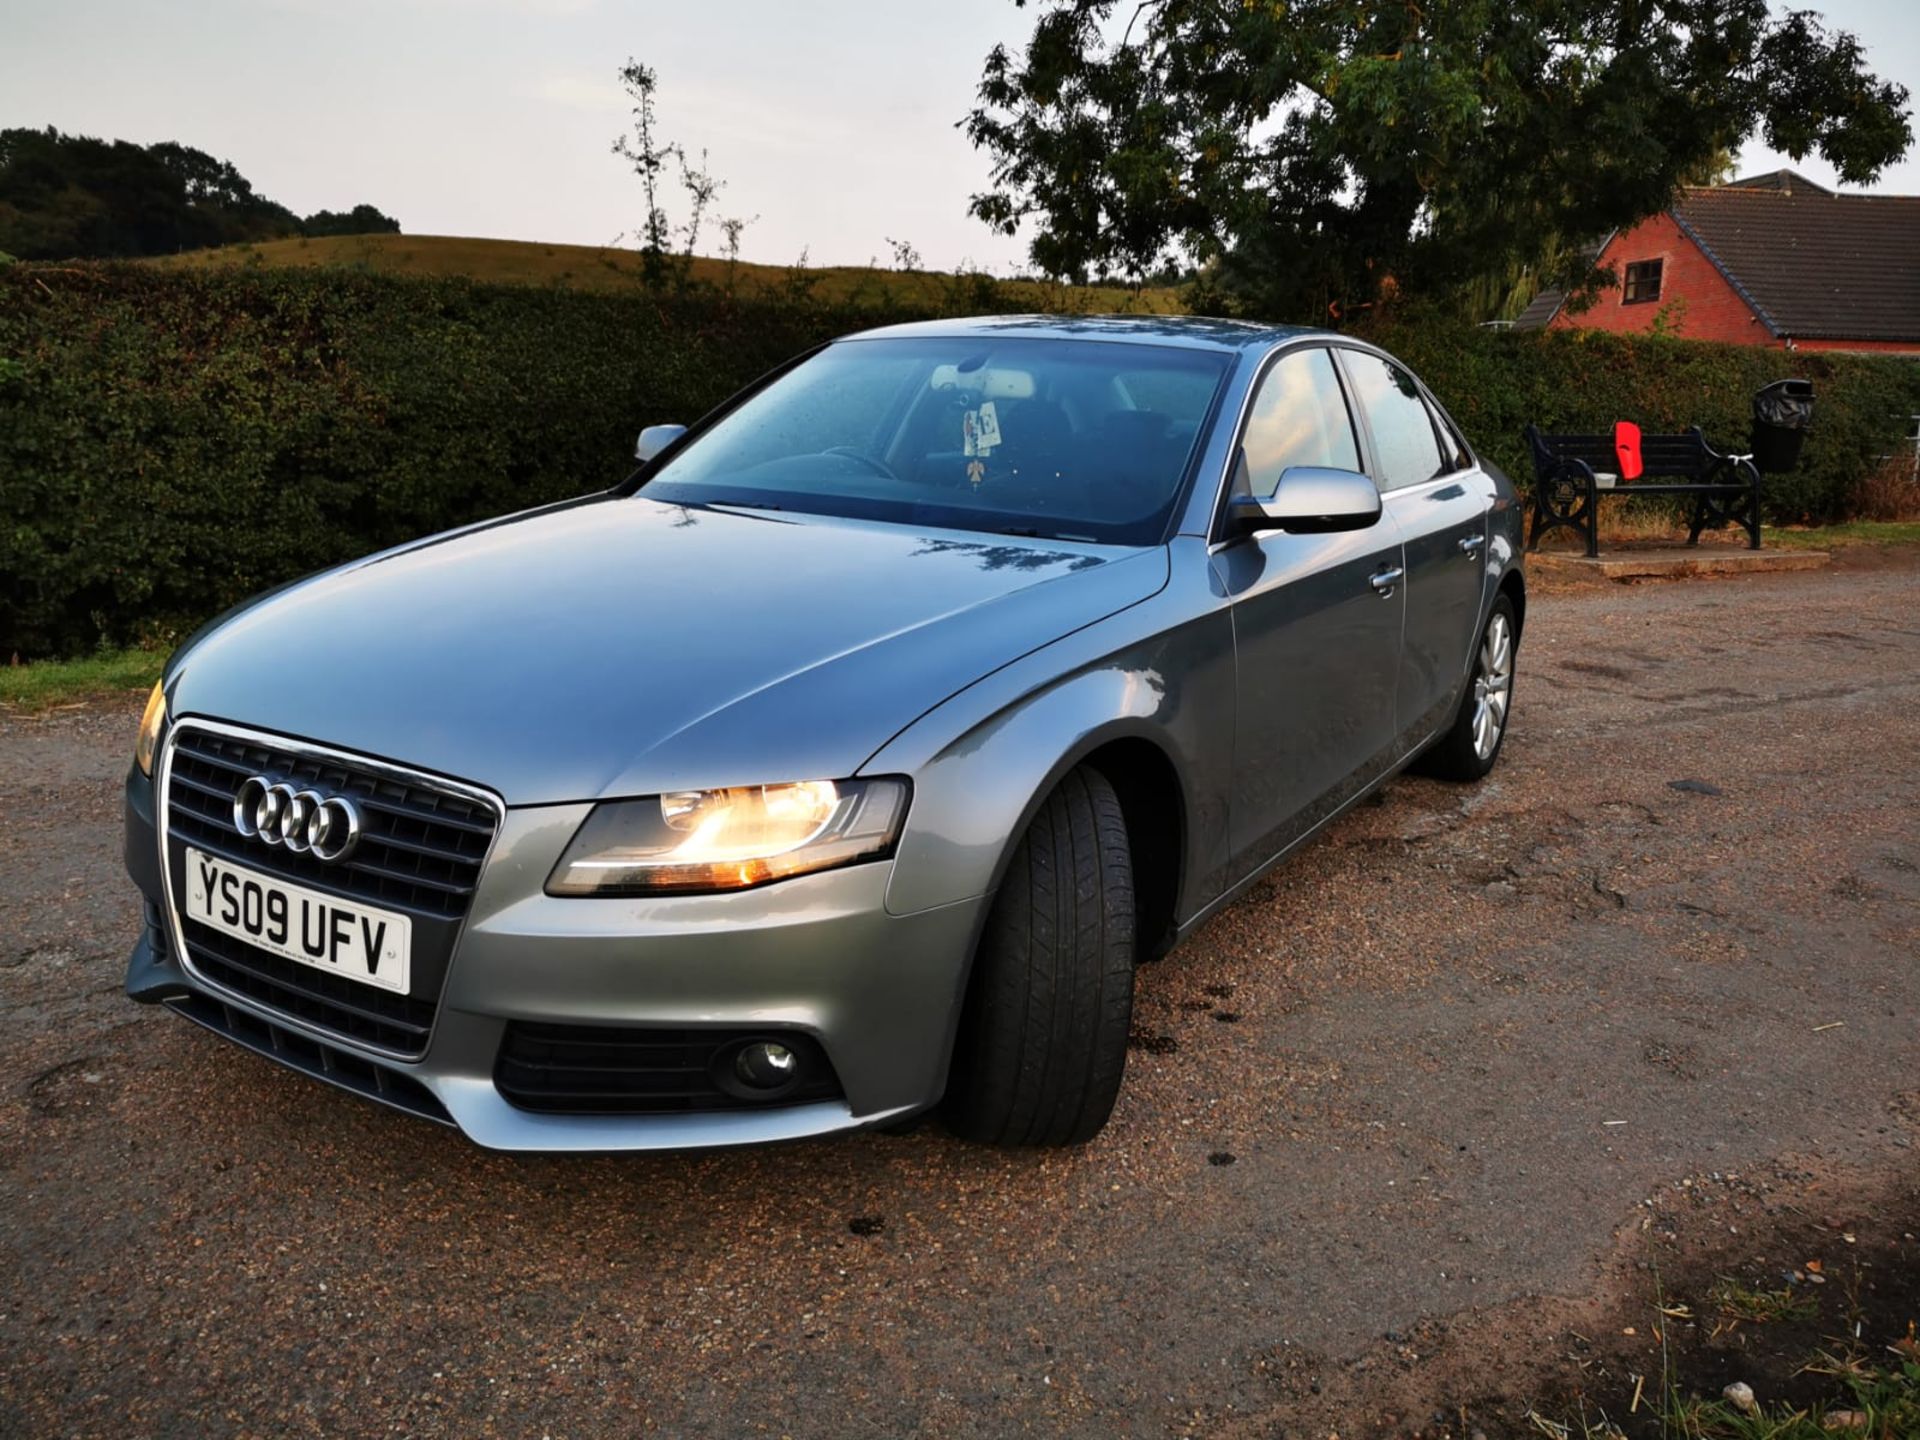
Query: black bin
1782	412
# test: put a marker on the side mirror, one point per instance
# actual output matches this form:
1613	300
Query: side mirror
656	438
1310	500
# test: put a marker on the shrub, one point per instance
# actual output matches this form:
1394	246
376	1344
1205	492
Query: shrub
174	441
1890	491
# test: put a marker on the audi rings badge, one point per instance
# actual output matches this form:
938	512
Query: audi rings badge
302	820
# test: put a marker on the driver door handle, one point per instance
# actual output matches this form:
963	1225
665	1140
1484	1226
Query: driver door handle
1470	544
1383	581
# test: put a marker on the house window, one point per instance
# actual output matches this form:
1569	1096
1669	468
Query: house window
1643	282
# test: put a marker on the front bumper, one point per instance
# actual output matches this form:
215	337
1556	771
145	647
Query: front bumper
818	954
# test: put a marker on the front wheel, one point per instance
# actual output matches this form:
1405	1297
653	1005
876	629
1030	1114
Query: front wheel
1471	745
1043	1037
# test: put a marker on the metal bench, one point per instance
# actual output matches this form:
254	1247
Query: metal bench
1572	474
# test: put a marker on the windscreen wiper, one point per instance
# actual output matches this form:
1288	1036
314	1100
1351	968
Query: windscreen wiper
1027	532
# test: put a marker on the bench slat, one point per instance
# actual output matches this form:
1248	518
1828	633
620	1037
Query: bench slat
1638	487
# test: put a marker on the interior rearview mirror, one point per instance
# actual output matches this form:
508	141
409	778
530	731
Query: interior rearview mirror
1310	500
656	438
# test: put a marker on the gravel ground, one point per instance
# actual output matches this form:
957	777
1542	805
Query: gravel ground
1386	1122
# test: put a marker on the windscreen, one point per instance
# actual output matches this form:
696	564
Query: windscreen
1063	439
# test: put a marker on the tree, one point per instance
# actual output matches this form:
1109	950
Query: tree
361	220
1315	155
67	196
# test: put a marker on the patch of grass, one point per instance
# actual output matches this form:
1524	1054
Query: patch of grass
1883	1402
1651	523
1762	1307
595	267
1853	532
46	683
1880	1402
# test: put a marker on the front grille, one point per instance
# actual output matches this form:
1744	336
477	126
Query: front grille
613	1069
420	851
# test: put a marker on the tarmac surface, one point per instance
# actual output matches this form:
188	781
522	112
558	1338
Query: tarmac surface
1417	1088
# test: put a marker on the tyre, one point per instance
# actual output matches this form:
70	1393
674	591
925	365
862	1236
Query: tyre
1043	1036
1472	743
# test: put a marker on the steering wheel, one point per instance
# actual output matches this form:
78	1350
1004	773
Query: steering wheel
872	462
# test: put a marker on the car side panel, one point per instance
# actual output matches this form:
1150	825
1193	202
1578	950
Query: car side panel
1443	526
1317	654
1506	525
982	762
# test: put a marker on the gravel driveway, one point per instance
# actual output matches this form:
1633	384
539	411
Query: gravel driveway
1427	1071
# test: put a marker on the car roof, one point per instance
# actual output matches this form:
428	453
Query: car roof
1196	332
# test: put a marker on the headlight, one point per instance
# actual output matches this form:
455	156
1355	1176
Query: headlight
733	839
151	723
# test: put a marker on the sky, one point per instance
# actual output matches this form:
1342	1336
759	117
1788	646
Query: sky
831	122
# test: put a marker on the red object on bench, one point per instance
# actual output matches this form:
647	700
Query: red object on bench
1626	446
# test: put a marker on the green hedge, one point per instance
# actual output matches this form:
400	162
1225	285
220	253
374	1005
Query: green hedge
1497	382
173	441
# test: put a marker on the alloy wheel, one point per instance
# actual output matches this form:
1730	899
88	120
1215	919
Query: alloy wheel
1492	686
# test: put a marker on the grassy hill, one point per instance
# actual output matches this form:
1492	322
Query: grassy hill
592	267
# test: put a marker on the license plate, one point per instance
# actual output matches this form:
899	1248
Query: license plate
353	941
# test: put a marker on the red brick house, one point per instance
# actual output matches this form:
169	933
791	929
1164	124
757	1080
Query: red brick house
1774	260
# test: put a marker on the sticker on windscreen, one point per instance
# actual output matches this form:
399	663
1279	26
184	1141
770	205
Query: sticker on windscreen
987	426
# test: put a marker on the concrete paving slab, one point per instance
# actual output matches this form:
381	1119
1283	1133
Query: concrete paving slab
1675	562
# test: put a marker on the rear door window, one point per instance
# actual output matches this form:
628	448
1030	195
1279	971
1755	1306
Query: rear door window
1456	454
1406	449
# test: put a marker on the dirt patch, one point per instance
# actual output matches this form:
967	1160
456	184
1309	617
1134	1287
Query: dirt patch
1691	1271
1874	558
1770	1281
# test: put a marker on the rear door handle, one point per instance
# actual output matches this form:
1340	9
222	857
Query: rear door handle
1383	581
1470	544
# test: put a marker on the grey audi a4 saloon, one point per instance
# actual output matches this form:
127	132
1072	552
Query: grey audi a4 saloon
845	759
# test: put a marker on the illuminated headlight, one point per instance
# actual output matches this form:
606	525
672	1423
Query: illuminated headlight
151	724
734	839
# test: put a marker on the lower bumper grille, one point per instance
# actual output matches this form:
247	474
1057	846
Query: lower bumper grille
158	939
323	1062
400	1023
628	1070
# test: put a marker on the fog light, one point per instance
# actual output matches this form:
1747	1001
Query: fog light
766	1065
